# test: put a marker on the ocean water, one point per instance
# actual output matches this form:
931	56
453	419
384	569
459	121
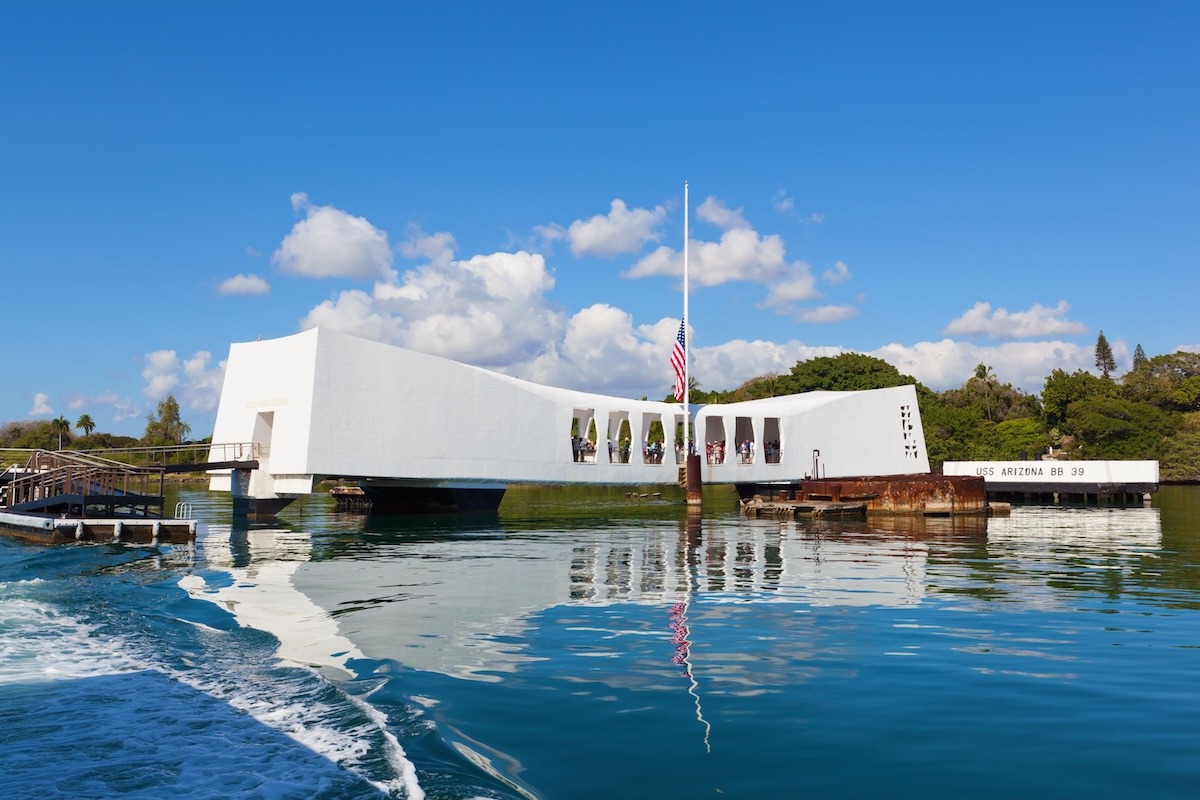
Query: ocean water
586	644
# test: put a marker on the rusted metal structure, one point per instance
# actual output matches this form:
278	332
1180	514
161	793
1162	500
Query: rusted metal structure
925	494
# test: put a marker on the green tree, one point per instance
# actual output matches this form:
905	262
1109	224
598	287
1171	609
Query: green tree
1061	389
1105	362
1180	458
1170	382
165	427
85	424
951	432
841	373
61	426
1116	428
997	401
1139	356
1013	440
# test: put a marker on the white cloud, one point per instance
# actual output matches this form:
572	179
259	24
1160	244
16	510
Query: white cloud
41	405
947	364
437	248
838	273
1000	323
354	312
244	284
783	203
798	286
713	211
485	310
202	383
329	243
740	255
826	314
160	374
195	383
600	350
122	407
622	230
729	365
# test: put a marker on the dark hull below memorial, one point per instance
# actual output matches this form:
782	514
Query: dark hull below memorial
428	499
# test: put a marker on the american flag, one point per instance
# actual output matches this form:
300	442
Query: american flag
679	361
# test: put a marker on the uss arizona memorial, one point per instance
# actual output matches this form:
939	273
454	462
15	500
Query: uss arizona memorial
417	430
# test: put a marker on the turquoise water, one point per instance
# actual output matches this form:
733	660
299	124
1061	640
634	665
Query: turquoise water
593	645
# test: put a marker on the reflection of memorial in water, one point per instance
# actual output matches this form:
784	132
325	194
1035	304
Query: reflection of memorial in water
462	601
1046	556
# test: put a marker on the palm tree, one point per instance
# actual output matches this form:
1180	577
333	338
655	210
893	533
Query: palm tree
85	424
60	426
984	374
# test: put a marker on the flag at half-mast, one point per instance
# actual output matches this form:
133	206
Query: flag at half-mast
679	361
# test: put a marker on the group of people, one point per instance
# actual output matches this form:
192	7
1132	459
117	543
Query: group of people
585	450
715	452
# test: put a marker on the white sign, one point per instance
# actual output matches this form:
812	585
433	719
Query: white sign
1084	472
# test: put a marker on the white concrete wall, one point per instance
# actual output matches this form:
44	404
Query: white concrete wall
344	406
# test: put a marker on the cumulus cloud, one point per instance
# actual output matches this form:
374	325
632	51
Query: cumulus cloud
160	375
621	230
1000	323
782	202
600	350
740	255
798	286
485	310
437	248
947	364
202	381
195	383
41	405
826	314
715	212
121	408
838	273
493	310
244	284
329	243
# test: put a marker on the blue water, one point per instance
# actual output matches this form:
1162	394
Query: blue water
593	645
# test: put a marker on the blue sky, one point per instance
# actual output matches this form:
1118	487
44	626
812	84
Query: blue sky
936	184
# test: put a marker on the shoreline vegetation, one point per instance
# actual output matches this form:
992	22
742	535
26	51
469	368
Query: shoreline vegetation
1152	412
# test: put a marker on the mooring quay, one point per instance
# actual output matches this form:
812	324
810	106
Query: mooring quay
72	496
1063	481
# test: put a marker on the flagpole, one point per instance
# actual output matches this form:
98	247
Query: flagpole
691	470
687	345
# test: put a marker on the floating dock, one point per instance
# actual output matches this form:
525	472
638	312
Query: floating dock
784	509
40	529
65	496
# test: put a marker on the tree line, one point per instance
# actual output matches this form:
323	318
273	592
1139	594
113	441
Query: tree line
1152	412
165	427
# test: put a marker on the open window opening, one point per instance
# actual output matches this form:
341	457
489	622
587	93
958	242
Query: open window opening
772	444
583	435
715	440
